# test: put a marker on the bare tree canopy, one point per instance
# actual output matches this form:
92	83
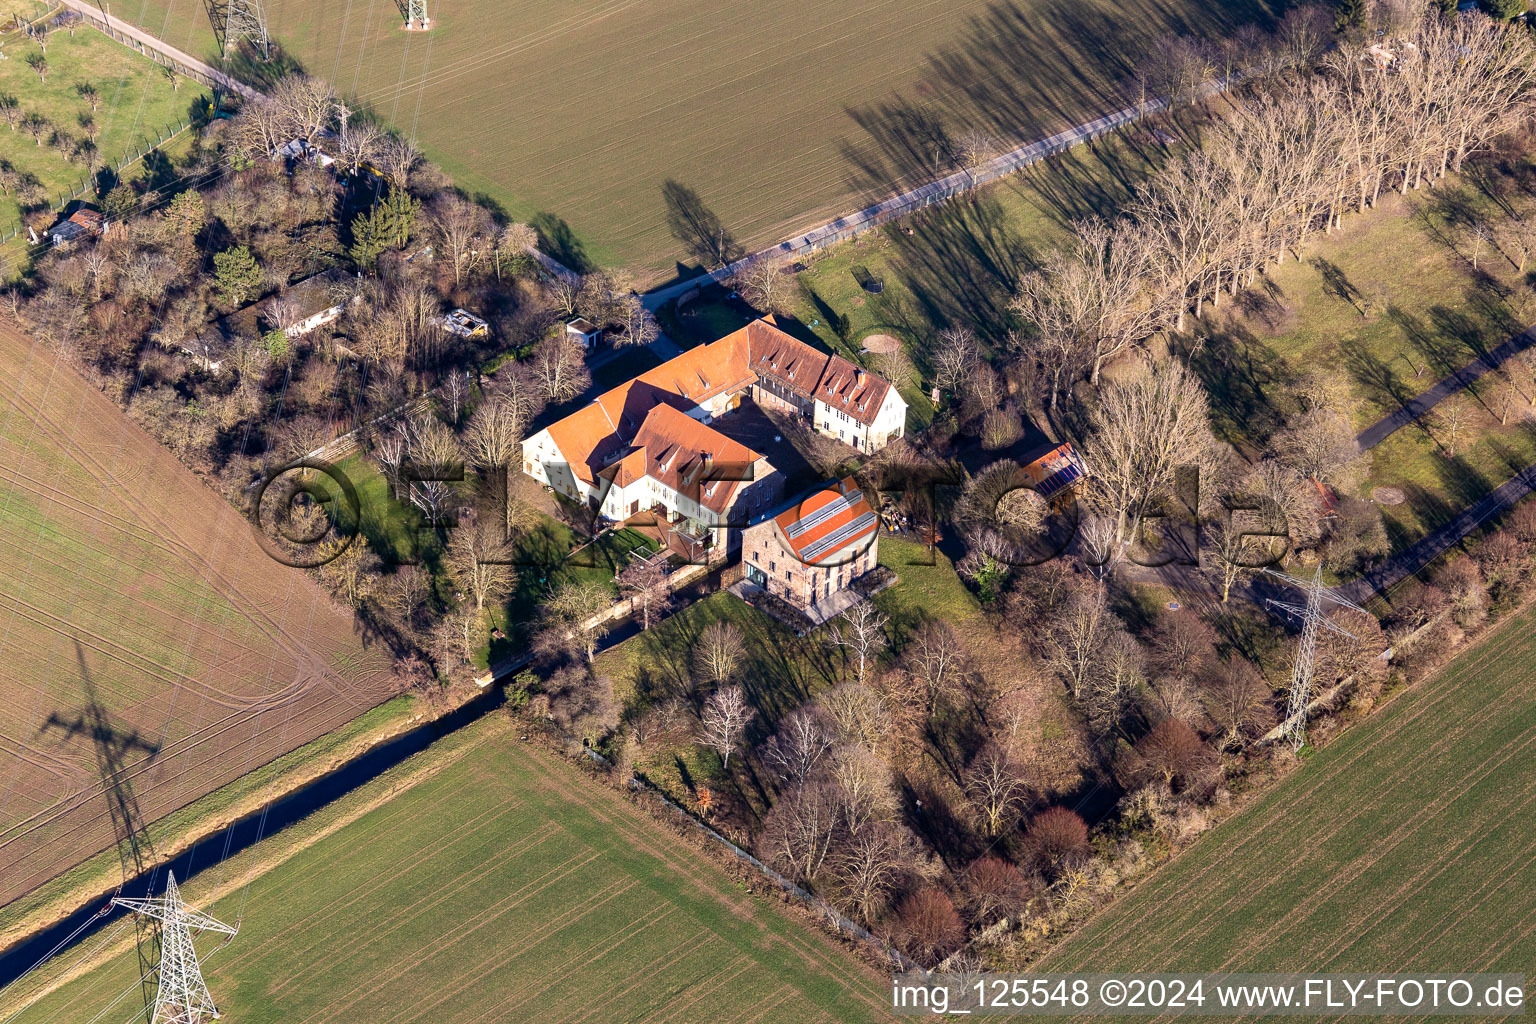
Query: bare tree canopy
719	652
724	721
861	631
1150	422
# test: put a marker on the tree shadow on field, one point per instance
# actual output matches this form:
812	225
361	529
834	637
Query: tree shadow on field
558	240
694	224
1376	377
246	65
961	262
1019	71
1244	376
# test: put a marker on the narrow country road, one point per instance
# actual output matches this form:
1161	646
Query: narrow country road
1409	561
1190	581
147	42
1465	377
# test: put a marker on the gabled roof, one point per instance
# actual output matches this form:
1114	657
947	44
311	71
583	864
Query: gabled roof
682	454
825	523
590	438
812	373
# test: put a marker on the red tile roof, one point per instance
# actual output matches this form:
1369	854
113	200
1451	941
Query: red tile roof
682	453
591	436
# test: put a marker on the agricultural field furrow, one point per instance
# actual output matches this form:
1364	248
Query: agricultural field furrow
1403	845
777	116
503	887
153	650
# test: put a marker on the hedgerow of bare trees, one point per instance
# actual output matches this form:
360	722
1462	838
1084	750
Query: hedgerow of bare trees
1292	156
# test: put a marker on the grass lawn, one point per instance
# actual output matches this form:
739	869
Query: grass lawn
396	532
773	116
550	557
1392	304
137	105
952	265
1404	845
484	880
1389	300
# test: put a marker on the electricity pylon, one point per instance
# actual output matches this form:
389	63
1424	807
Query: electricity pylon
182	996
246	19
1311	614
416	19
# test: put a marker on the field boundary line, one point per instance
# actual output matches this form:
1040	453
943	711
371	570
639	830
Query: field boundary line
830	913
179	60
851	225
278	858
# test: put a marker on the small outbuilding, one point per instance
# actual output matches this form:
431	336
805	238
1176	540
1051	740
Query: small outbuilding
82	224
584	331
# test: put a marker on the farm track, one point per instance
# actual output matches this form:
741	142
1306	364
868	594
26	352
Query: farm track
777	116
216	658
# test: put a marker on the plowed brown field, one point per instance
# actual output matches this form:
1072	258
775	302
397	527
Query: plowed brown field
149	650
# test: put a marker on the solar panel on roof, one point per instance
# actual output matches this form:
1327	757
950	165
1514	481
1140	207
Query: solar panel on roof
837	538
1059	479
822	514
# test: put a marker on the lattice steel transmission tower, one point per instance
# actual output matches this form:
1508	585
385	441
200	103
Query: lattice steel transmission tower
416	19
246	19
182	996
1294	727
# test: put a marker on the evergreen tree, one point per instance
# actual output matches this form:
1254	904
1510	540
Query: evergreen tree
1349	16
118	204
237	274
387	225
1505	10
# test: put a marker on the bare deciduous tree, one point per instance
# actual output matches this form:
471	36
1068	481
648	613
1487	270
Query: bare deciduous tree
935	656
869	867
464	230
724	720
799	748
1151	422
719	652
861	631
397	158
992	889
955	358
559	366
572	620
649	587
763	282
858	713
1076	637
480	561
305	105
997	789
1234	697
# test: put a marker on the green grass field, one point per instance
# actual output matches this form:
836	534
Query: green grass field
1403	845
504	887
138	105
776	115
